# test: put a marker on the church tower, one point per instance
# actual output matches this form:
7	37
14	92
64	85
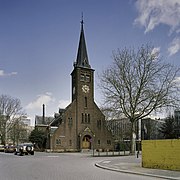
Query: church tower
82	75
81	125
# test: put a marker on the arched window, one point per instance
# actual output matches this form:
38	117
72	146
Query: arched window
85	101
85	118
82	121
58	141
88	118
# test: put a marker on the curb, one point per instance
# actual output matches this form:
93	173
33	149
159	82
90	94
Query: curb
136	173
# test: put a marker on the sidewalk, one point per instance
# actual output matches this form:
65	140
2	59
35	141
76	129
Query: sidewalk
131	164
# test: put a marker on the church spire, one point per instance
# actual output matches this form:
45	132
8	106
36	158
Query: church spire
82	23
82	57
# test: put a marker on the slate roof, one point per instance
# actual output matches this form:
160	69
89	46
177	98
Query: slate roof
82	57
39	120
58	117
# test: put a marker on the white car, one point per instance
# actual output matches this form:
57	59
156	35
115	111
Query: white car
25	148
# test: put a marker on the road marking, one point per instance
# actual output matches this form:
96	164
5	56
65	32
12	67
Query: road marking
106	162
52	156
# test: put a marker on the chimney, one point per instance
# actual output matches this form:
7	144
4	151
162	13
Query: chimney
43	117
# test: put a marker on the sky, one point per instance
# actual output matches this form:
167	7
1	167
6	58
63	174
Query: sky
39	41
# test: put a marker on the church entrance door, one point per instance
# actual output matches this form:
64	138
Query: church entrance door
86	143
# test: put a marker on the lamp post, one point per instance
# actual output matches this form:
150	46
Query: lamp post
139	137
93	143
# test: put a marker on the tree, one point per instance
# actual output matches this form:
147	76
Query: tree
10	113
18	132
38	137
150	129
138	83
168	128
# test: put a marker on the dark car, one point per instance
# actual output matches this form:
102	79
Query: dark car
9	149
25	148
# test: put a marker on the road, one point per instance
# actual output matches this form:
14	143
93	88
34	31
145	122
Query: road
58	166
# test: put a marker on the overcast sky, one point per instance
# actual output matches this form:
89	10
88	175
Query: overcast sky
39	41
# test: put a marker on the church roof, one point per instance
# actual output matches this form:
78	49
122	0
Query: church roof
40	121
82	57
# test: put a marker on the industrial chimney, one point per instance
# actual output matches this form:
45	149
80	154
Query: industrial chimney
43	117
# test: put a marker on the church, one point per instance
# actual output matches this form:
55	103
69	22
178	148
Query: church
81	125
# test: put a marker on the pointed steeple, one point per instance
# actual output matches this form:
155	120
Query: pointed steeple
82	57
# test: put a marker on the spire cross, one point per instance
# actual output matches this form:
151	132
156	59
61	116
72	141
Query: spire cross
82	22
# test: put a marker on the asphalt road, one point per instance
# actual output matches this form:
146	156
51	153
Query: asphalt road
58	166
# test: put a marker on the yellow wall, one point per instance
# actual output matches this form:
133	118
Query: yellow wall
161	154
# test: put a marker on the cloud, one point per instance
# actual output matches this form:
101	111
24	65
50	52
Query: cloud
63	103
155	12
177	81
3	74
155	52
40	100
174	46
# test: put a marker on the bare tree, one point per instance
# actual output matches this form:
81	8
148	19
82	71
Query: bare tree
138	83
18	133
10	113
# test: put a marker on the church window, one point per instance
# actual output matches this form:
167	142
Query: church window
87	78
99	124
70	142
70	122
82	121
82	77
109	142
58	141
99	142
85	101
88	118
85	118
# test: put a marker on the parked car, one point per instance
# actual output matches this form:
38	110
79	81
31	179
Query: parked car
25	148
9	149
1	148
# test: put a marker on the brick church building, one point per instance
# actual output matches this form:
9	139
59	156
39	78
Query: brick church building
81	125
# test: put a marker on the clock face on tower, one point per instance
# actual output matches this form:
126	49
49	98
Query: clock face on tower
85	88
